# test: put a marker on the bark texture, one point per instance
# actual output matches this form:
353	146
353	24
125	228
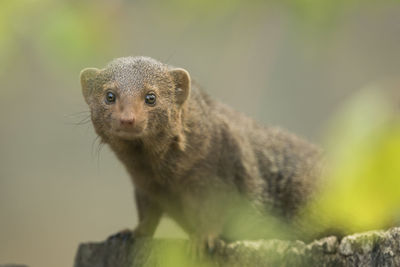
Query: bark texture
374	248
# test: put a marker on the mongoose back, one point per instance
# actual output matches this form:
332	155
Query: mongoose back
193	158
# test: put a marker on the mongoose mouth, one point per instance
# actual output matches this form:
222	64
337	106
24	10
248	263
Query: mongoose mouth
128	133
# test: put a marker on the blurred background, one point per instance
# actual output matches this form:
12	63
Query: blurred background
292	63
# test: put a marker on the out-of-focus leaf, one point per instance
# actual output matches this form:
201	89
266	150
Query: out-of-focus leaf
15	24
363	183
76	34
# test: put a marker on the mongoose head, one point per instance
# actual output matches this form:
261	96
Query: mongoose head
135	97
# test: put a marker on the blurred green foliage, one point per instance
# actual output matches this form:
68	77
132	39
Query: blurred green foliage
75	33
79	31
362	190
70	32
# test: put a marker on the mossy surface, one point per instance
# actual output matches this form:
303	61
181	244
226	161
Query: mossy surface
374	248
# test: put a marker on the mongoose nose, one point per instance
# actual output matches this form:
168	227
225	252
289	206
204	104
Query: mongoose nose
127	121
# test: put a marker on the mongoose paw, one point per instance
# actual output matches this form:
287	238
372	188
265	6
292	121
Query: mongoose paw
213	244
123	235
201	247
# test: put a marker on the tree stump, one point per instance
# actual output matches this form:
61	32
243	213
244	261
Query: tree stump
374	248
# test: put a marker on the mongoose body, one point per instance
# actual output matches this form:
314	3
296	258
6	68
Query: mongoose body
191	157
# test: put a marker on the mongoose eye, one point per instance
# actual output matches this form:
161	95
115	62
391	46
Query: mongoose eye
150	99
110	98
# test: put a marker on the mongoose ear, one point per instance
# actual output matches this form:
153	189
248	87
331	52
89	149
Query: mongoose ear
88	77
182	84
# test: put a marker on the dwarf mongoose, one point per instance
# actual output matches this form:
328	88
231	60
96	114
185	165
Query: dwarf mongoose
191	157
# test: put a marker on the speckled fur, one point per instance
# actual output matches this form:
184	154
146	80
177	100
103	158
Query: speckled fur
196	159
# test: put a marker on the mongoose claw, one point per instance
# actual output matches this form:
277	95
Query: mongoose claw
214	244
200	248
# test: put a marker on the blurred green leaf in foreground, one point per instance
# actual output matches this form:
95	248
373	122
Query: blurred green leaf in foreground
362	190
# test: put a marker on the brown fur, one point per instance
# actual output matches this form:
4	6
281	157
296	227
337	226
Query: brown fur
192	157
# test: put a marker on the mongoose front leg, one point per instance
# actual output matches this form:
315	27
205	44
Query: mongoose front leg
149	214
